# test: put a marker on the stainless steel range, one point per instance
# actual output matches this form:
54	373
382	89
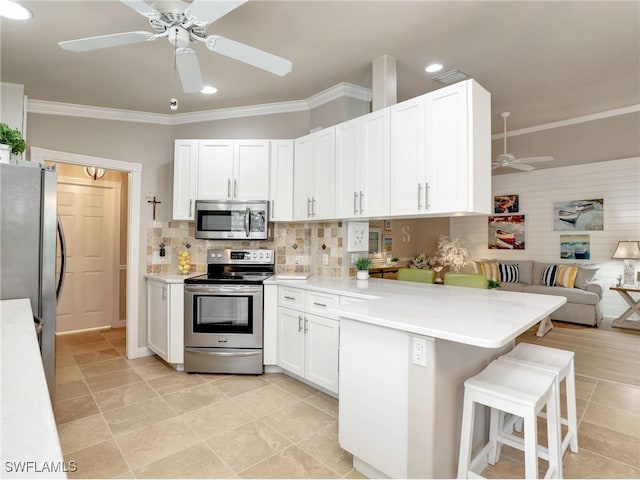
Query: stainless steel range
223	313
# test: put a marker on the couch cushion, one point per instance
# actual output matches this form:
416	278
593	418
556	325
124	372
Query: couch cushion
548	277
573	295
509	272
525	268
490	269
584	276
566	275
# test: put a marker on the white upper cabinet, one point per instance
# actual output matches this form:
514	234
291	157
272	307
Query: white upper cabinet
233	170
362	166
314	176
281	181
441	152
185	174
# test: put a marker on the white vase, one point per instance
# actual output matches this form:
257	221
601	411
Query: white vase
362	274
5	153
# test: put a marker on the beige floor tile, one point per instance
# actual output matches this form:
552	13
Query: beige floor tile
290	463
274	377
153	370
118	342
74	408
354	474
68	390
155	442
103	460
83	433
584	387
299	389
114	333
265	400
612	444
112	380
213	377
246	445
194	397
194	462
68	374
324	402
618	419
125	475
617	395
122	396
63	361
97	356
298	420
324	446
587	464
148	360
89	347
107	366
174	381
505	468
139	415
235	385
217	417
79	338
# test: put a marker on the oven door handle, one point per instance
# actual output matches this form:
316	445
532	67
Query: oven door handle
224	289
219	352
247	221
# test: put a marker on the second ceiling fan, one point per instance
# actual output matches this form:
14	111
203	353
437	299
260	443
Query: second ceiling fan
182	23
509	160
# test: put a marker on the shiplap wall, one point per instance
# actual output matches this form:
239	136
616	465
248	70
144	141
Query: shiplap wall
617	182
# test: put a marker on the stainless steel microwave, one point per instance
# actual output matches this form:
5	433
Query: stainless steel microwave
220	219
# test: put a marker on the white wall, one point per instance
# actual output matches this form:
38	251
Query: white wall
617	182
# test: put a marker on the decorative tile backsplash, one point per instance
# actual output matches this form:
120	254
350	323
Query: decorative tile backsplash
299	247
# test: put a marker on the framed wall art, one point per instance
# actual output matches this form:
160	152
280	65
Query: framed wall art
506	232
576	247
576	215
506	204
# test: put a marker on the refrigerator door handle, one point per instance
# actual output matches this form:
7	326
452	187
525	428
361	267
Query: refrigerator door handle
63	260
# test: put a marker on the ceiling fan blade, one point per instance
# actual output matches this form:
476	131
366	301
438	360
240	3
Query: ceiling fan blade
141	7
253	56
206	11
536	159
521	166
106	41
189	70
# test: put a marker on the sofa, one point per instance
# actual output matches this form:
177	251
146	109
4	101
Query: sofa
578	285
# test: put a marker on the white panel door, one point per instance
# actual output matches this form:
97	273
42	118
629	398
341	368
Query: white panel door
281	180
302	171
215	170
348	177
89	297
291	340
375	163
251	170
185	176
323	201
407	157
321	352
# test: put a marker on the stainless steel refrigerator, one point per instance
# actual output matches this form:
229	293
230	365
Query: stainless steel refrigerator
29	230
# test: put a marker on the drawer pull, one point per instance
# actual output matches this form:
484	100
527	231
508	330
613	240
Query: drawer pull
289	298
299	323
320	304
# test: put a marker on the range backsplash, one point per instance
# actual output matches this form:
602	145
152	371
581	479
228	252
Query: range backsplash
298	247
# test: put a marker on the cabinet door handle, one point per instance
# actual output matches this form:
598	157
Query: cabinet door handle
273	208
164	292
306	325
355	200
289	298
228	187
190	207
320	304
308	206
299	323
426	195
313	206
235	189
361	195
419	196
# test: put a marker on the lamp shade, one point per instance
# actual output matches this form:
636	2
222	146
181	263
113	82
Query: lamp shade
627	249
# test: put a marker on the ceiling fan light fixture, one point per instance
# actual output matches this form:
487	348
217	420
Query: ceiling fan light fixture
14	10
208	90
433	67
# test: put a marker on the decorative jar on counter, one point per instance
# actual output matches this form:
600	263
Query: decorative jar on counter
184	260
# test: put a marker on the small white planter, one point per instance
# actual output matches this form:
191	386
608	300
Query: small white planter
362	274
5	153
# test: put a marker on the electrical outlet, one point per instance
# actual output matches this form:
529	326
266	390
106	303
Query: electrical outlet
156	257
299	259
325	259
419	352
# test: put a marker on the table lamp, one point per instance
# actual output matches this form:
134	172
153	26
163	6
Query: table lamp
629	251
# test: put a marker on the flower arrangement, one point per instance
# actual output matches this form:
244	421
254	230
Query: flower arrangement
422	261
450	252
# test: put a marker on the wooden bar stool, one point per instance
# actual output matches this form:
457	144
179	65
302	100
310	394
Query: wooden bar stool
560	363
520	390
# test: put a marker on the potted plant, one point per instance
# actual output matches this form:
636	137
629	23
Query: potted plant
362	266
11	141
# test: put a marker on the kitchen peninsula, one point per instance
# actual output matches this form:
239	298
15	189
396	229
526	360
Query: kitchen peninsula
403	357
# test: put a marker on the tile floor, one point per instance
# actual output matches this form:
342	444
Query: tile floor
120	418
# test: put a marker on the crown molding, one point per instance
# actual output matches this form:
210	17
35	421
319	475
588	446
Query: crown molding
341	90
570	121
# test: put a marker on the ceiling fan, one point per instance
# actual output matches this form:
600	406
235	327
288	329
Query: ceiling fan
508	160
183	23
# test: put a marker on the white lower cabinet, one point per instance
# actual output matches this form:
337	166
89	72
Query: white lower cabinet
307	342
165	325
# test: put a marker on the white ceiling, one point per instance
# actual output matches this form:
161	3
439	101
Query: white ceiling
544	61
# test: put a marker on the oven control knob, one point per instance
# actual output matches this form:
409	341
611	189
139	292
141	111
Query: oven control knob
219	255
255	255
260	254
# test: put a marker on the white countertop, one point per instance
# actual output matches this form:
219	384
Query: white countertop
29	432
484	318
170	277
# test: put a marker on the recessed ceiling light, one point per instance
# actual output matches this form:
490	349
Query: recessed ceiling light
208	89
433	68
14	11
